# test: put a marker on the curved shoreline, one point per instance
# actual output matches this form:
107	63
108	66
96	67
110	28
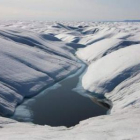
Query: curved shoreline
56	104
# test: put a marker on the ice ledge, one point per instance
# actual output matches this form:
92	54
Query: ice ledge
118	126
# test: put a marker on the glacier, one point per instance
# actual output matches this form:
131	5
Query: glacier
111	51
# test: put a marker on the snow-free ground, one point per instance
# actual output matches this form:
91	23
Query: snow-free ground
36	54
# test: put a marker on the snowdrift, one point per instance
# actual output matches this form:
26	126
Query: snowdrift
106	73
99	49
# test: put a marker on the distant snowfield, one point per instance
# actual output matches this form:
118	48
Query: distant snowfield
34	55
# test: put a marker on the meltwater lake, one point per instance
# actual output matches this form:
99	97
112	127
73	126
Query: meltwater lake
59	105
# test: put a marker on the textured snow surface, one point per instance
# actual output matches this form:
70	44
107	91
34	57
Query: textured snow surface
29	62
122	126
113	54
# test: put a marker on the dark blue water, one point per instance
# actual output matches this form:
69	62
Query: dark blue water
62	106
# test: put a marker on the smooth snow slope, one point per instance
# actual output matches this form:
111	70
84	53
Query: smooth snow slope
112	52
108	72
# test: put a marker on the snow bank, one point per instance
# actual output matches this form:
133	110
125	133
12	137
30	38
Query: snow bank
106	73
98	49
117	77
120	126
29	62
102	48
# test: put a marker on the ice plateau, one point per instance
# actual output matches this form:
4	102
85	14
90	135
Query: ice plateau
35	54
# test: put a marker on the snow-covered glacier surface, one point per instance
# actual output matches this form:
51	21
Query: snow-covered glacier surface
40	51
29	62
